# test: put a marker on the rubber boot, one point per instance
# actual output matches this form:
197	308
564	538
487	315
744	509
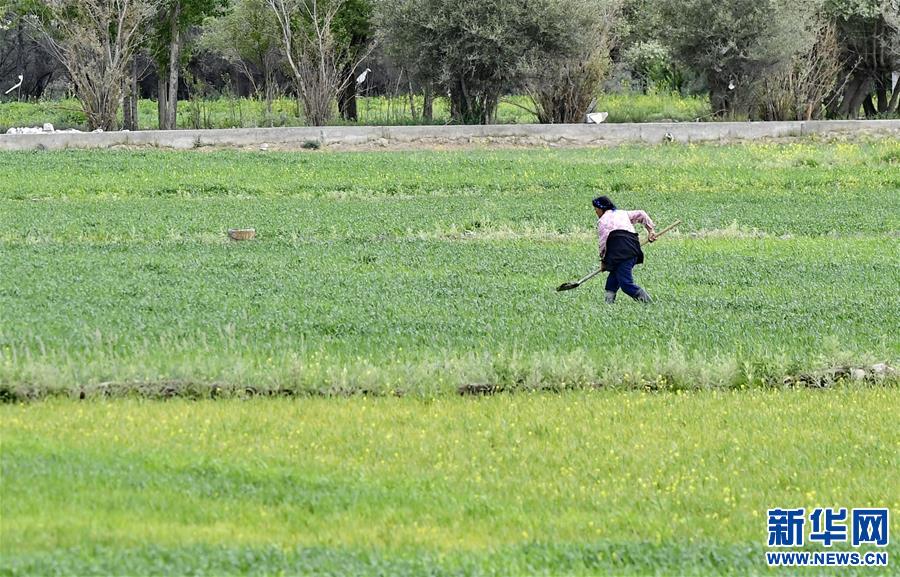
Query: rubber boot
642	296
610	297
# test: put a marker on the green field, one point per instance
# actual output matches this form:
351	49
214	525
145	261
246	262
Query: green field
372	110
609	482
399	272
625	440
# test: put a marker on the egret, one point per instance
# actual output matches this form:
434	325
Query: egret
362	77
16	86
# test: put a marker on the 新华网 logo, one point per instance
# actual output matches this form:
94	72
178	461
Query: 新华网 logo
827	527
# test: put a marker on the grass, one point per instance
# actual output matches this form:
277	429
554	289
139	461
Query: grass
376	274
422	272
625	483
372	110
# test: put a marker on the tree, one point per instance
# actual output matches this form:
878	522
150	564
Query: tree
563	76
868	35
891	14
799	89
318	58
735	44
248	36
94	41
399	26
352	28
173	19
475	51
21	52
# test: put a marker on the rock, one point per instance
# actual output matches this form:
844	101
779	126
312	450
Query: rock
264	146
857	374
880	368
48	127
97	130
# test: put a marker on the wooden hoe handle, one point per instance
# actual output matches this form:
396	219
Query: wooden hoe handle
663	231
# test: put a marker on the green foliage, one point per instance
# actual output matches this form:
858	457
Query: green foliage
564	76
652	62
593	483
735	44
190	13
352	23
146	291
478	50
247	31
848	9
248	36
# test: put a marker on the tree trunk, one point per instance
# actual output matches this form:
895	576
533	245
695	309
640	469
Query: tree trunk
852	87
719	98
174	67
135	94
881	92
833	98
268	86
20	53
868	106
161	96
347	99
127	118
469	108
412	102
895	97
862	94
428	103
129	121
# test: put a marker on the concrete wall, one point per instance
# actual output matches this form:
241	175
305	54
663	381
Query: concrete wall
537	134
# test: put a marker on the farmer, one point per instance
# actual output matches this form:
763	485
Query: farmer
620	248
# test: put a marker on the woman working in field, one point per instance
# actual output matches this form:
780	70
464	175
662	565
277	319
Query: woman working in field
620	248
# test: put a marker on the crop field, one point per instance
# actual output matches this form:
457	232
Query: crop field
593	482
177	403
423	272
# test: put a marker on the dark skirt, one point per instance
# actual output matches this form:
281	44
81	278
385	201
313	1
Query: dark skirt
622	245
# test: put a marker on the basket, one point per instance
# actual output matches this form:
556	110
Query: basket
242	233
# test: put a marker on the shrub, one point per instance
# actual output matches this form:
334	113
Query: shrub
563	77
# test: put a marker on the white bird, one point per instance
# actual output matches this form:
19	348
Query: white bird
16	86
362	77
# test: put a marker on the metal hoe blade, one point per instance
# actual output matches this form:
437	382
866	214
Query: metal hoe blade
567	286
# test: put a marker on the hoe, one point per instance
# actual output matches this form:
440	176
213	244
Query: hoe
567	286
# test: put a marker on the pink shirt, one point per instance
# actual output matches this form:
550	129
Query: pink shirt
620	220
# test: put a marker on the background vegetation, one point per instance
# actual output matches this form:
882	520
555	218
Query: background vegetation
767	60
371	110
